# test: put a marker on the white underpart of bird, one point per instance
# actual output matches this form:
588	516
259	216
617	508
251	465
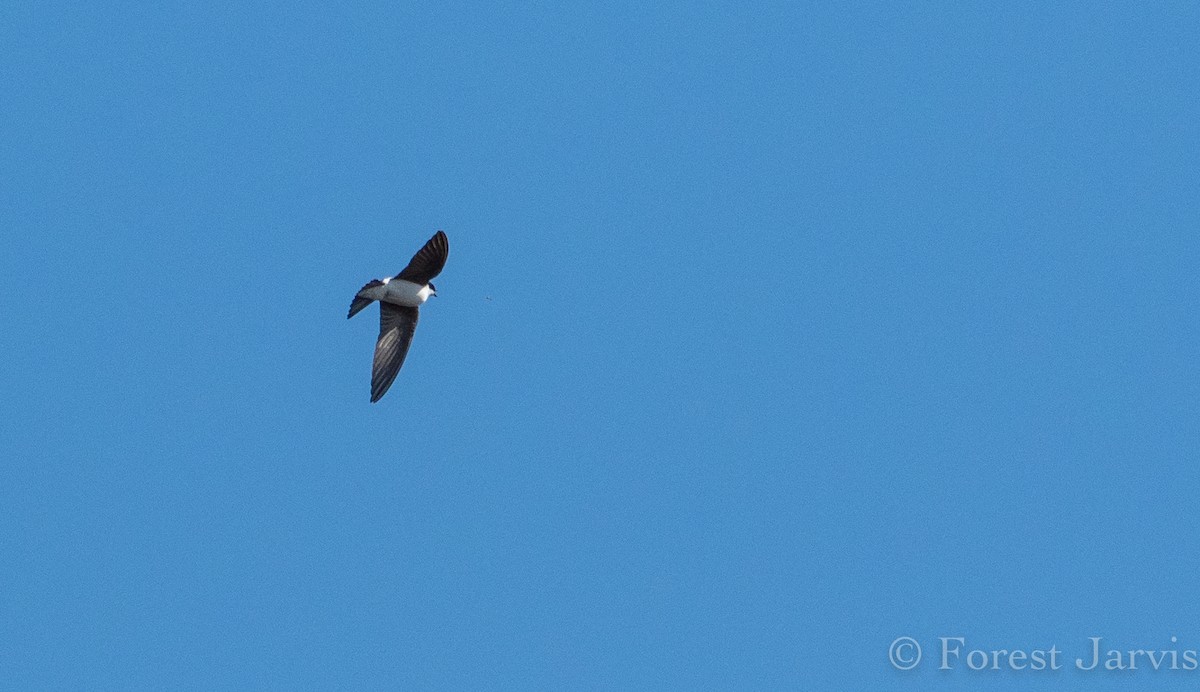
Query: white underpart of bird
400	292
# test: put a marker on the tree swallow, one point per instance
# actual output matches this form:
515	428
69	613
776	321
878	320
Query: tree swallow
398	299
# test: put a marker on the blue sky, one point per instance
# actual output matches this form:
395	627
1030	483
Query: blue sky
770	333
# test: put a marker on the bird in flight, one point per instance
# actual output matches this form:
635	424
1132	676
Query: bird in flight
398	299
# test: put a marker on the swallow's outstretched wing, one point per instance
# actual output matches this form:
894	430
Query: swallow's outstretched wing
428	261
396	326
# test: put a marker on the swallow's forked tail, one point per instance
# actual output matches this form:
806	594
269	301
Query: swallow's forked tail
360	301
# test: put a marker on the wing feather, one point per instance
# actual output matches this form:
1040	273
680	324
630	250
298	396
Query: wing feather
396	326
428	261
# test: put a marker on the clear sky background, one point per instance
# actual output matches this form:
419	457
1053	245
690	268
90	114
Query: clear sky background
770	333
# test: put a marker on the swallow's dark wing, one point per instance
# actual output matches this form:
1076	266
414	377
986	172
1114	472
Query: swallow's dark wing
428	261
396	326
